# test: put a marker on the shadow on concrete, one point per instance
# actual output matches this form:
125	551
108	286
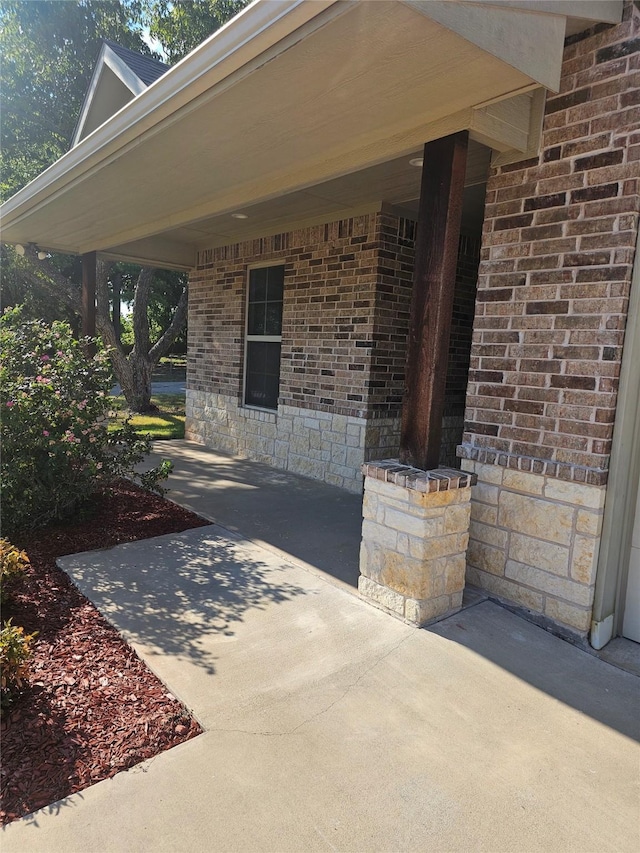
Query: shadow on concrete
174	593
551	665
310	521
72	801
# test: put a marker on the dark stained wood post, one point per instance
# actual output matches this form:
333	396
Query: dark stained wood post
115	309
89	298
437	237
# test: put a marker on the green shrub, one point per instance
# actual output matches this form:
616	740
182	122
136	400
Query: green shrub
12	565
56	448
15	654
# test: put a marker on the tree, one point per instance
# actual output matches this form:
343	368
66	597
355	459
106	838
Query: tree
180	27
48	53
165	293
49	50
50	292
133	369
37	301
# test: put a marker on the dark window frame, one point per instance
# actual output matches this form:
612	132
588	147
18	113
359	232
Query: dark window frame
252	338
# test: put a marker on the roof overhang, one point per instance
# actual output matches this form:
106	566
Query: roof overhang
299	110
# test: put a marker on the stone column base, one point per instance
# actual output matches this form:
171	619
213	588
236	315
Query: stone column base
414	539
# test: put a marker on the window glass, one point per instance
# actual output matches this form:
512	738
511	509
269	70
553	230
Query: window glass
273	318
255	319
264	335
258	285
263	374
275	284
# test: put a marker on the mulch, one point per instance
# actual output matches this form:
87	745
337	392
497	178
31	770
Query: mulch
92	708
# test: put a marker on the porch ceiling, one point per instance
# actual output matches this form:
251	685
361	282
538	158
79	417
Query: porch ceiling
293	112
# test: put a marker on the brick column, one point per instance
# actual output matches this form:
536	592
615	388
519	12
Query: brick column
414	539
558	248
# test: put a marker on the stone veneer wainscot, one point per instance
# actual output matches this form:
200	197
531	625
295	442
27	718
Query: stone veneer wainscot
534	539
414	539
323	445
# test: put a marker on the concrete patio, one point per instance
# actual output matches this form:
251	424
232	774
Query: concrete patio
330	725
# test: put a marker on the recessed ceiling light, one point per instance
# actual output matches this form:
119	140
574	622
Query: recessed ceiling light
239	216
417	161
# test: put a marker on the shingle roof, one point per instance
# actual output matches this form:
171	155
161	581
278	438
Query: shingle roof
144	67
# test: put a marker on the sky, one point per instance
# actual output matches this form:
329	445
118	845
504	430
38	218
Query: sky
154	44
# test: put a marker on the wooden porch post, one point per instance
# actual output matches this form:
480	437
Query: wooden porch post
89	297
115	308
437	237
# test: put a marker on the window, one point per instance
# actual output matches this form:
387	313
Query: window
264	337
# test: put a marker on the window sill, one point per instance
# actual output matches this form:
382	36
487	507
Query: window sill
257	413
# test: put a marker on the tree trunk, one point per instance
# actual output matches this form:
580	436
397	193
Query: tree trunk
135	379
133	371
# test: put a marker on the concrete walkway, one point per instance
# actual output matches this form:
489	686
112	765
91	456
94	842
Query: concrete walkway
317	525
331	726
159	387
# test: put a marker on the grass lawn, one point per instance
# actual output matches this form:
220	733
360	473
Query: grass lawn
172	368
177	362
166	423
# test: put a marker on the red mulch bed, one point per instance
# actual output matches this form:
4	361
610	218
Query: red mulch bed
92	708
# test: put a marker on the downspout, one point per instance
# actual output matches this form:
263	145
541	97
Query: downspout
622	486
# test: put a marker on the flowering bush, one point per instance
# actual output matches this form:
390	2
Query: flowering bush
56	449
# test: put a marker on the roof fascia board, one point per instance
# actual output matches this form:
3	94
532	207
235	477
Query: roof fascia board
261	31
88	98
126	74
529	42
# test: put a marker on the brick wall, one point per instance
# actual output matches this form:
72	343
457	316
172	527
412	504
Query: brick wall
557	253
396	252
558	247
320	428
389	345
347	293
327	323
464	304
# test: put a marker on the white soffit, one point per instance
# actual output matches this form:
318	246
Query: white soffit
528	41
395	182
367	87
289	98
